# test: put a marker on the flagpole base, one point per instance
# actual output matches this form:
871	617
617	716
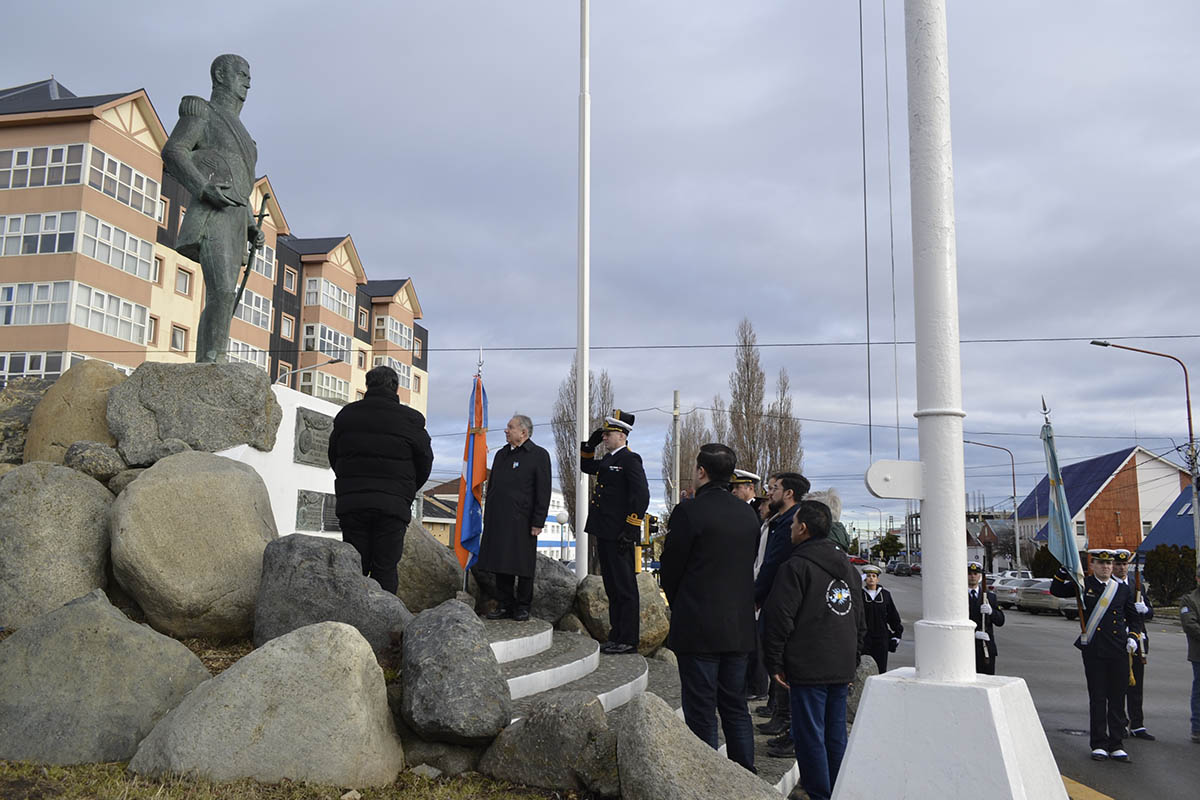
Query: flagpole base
981	740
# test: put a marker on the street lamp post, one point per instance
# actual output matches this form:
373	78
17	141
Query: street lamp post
1016	525
1193	470
880	510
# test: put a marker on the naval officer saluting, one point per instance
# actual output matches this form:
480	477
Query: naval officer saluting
1107	642
615	518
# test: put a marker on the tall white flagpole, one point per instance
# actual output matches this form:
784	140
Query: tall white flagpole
582	367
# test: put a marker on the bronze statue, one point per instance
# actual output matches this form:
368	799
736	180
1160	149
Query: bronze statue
213	157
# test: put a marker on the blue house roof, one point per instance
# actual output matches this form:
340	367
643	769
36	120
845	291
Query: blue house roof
1081	481
1174	527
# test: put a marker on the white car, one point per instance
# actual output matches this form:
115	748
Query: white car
1014	573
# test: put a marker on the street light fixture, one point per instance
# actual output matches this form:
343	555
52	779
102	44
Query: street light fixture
1016	526
1191	451
880	510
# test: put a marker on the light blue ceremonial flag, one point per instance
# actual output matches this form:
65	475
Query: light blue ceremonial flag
1060	538
470	486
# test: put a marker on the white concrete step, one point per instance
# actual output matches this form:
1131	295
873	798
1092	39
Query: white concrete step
512	640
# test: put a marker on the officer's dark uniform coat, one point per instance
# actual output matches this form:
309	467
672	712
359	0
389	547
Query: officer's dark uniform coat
621	494
985	652
518	497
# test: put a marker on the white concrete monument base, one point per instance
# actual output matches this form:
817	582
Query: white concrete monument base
927	739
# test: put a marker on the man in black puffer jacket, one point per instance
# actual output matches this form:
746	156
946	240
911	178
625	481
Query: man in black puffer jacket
380	452
815	630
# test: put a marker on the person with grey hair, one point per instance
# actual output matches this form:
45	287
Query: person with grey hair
381	455
514	513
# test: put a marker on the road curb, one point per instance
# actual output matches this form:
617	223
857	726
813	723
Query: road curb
1077	791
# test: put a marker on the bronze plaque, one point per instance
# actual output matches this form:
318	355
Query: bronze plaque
312	438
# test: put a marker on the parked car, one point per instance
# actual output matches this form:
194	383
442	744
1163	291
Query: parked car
916	569
903	569
1014	573
1006	590
858	561
1036	598
891	566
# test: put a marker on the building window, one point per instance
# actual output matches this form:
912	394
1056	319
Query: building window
264	261
418	346
416	384
1146	526
320	384
289	279
123	183
328	341
359	395
1080	528
182	212
287	327
179	337
157	272
111	315
161	214
152	329
330	295
362	359
362	318
32	234
255	309
34	303
284	369
116	248
402	369
249	354
312	291
56	165
183	281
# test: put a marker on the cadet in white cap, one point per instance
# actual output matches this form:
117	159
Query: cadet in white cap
884	627
987	615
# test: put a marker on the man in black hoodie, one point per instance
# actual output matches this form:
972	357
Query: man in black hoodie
380	452
815	631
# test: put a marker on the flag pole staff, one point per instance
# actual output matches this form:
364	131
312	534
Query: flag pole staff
583	416
1050	503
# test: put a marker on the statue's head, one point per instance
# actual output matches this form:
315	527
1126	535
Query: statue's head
231	72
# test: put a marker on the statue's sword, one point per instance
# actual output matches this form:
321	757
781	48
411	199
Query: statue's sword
258	220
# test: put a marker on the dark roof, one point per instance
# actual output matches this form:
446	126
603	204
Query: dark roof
1000	527
48	95
440	509
384	288
311	247
1174	527
1081	481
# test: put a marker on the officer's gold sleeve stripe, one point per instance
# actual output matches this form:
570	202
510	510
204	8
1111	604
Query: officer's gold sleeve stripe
633	519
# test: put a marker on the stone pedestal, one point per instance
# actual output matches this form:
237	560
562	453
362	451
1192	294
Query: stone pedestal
981	740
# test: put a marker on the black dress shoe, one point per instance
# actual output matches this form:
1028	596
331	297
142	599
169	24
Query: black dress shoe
1142	733
773	727
756	698
780	751
500	613
764	711
617	648
521	614
783	739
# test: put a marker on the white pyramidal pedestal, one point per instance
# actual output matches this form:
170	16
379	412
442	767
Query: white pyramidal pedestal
939	730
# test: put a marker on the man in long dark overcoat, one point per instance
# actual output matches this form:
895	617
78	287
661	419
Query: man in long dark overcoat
514	513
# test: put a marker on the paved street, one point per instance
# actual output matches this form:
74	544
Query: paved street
1038	649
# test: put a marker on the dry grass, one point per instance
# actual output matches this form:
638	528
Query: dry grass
218	656
25	781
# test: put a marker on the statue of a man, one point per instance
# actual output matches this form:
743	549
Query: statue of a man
213	157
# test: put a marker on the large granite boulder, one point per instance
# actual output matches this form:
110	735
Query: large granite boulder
564	744
661	759
591	604
453	690
94	459
209	407
187	542
429	574
53	539
85	684
308	706
117	483
866	668
18	399
308	579
74	409
553	588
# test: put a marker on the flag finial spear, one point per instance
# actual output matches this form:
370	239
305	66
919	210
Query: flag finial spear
479	366
1045	410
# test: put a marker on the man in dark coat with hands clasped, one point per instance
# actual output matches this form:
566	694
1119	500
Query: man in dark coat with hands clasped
615	519
380	452
514	513
708	576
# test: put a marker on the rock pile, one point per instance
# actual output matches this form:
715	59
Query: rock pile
591	604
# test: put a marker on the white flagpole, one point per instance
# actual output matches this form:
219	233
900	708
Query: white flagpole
582	366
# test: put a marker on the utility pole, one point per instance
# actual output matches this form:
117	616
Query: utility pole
583	409
675	453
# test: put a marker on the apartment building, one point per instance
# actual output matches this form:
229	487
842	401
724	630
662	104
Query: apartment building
88	269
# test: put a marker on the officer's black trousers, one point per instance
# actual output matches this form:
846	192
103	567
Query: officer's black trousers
1107	679
616	568
1133	696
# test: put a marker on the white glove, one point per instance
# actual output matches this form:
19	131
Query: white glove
982	636
984	608
1131	645
1141	607
895	641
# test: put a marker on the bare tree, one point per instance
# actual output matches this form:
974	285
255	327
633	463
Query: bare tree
566	442
781	432
692	433
720	420
746	389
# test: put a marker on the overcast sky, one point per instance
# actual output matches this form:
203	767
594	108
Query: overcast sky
727	182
